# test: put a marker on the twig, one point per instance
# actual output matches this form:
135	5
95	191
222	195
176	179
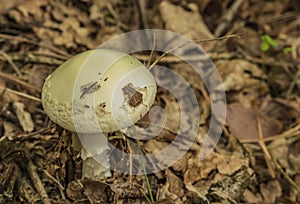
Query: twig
286	176
23	83
26	190
115	15
191	58
237	35
34	58
289	133
290	104
61	188
194	41
81	201
142	9
32	135
262	144
111	10
152	51
38	185
22	39
21	94
10	61
227	18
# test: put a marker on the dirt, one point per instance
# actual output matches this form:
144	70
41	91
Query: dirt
255	45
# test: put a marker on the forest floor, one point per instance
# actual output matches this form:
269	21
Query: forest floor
255	46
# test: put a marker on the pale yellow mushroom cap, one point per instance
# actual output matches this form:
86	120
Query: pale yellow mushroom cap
112	85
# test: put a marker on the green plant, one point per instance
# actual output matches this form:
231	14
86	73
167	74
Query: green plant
267	43
151	199
287	50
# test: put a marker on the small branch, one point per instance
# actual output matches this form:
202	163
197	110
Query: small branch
61	188
194	41
34	58
10	61
237	35
286	176
22	39
289	133
18	81
37	182
142	9
4	89
152	51
37	135
227	18
262	144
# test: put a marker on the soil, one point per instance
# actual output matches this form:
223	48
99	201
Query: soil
255	46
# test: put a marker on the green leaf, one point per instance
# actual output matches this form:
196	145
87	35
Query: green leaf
287	50
265	47
268	39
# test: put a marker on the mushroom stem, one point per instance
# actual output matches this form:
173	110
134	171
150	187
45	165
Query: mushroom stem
95	161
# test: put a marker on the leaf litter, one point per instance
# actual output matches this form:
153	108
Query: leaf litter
257	157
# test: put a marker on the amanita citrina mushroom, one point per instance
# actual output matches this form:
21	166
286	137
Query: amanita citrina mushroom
113	86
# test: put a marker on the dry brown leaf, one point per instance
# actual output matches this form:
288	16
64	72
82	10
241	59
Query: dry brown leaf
250	38
187	23
270	191
294	194
38	74
173	188
285	110
181	164
279	151
250	197
242	123
24	117
200	189
294	158
154	146
172	112
225	164
230	164
95	191
197	169
176	184
5	98
10	128
243	79
5	6
29	11
70	27
230	190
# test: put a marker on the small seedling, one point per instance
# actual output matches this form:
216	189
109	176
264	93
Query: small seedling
267	43
287	50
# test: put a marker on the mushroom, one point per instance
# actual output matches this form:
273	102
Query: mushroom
94	93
